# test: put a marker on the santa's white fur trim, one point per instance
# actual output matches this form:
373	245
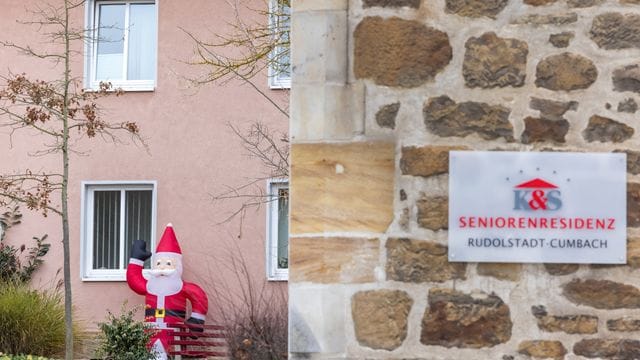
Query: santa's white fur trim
136	262
167	254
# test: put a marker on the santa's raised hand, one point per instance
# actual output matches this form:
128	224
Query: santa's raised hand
165	293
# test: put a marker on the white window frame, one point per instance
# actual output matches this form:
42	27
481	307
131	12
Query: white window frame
273	272
86	227
91	49
276	81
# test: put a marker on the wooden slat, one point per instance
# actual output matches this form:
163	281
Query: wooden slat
198	343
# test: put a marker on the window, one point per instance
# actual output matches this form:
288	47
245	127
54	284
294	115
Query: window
123	49
279	59
114	215
278	230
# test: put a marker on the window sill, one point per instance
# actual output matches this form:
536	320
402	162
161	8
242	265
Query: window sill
280	84
126	86
279	275
114	276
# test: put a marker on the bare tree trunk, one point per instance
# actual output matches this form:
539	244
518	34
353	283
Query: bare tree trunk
64	193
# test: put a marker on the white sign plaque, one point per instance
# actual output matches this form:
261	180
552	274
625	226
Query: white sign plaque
537	207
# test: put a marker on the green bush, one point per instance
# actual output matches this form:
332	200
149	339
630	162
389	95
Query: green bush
124	338
14	266
31	322
21	357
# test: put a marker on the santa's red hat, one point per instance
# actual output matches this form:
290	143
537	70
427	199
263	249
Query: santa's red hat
169	242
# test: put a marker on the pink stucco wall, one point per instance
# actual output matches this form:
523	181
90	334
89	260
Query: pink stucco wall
192	154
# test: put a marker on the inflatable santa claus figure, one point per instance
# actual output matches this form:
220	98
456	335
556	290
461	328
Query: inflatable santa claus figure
165	292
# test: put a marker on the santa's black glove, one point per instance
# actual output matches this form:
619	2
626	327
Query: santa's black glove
139	250
198	325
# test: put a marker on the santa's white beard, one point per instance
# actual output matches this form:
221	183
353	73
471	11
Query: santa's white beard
167	284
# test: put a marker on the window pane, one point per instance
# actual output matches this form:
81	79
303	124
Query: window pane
283	229
137	219
110	41
282	24
142	42
106	229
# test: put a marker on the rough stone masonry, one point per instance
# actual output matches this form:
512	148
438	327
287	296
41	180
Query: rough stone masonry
382	91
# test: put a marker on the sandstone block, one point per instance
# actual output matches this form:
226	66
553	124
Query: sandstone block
380	318
543	349
633	204
616	31
583	3
399	53
628	106
386	116
561	269
603	129
342	187
444	117
621	349
333	260
570	324
633	252
501	271
623	324
539	2
627	78
476	8
544	130
392	3
426	160
419	261
456	319
602	294
561	40
491	61
433	213
551	109
566	71
549	19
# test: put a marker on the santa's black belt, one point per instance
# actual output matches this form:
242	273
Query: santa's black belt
160	313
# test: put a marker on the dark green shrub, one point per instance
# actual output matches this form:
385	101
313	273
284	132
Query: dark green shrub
124	338
12	268
31	322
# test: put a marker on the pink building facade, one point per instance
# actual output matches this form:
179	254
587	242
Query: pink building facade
121	192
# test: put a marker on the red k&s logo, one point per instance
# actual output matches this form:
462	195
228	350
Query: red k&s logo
537	194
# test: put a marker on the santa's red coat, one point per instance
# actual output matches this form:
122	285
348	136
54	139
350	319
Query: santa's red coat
175	302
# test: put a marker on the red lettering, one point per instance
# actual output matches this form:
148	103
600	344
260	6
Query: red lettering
512	222
462	221
590	223
543	223
482	222
611	224
472	221
500	222
554	223
531	223
600	224
521	222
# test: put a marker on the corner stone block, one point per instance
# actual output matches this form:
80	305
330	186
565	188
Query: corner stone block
315	324
456	319
342	187
381	317
333	260
326	112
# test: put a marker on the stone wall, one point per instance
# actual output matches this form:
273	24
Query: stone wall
382	91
